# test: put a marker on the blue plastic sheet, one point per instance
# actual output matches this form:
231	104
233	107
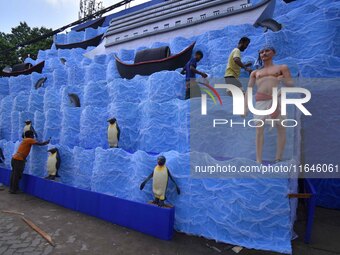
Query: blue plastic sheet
328	192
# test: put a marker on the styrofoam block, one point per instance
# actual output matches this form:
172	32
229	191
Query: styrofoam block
19	84
4	86
52	98
36	101
21	101
59	77
95	72
111	71
83	167
96	94
52	125
165	86
133	91
93	127
70	126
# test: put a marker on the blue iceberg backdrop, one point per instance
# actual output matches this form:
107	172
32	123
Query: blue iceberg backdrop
155	120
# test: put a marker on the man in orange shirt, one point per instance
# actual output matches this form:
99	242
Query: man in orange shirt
19	159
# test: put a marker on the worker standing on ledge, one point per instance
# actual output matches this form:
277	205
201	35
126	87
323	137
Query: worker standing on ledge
235	64
190	72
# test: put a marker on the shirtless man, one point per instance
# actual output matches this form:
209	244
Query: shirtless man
266	79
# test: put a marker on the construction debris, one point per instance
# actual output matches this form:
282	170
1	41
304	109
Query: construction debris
237	249
39	231
13	212
213	247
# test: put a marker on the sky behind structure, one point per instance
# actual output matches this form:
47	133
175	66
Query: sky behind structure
48	13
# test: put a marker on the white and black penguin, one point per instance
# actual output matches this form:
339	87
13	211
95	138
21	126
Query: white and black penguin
113	133
28	126
53	164
160	175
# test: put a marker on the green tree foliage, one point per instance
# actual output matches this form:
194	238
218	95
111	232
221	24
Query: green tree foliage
19	35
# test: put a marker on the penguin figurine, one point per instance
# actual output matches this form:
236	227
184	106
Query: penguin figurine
113	133
28	126
53	164
2	157
161	175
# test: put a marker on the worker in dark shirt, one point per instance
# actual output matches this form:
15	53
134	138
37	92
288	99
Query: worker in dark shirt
19	159
190	71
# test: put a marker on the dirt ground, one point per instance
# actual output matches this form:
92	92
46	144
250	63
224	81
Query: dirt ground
76	233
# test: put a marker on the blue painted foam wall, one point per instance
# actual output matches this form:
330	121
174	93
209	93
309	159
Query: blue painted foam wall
154	119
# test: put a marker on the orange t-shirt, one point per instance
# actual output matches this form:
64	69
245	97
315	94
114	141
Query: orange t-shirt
24	149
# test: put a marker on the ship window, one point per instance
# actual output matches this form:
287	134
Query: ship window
126	36
155	28
203	16
230	9
190	19
178	22
166	25
135	33
217	12
144	31
117	38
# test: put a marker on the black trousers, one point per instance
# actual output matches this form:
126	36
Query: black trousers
18	167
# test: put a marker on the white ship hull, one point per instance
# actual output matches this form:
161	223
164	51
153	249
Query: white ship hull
131	36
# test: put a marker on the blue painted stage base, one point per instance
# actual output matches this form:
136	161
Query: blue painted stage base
145	218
